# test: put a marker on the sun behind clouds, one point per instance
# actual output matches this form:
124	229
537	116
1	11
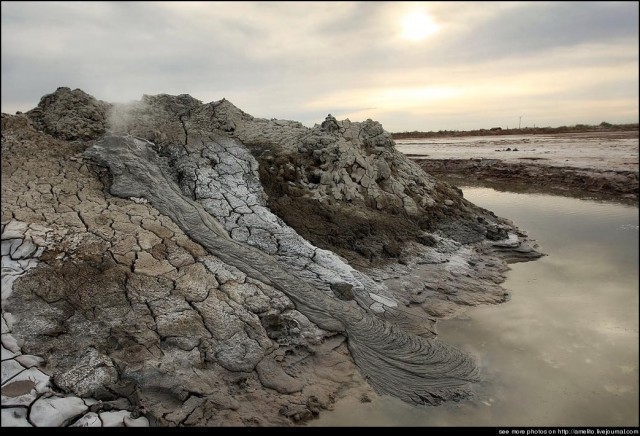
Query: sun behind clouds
417	26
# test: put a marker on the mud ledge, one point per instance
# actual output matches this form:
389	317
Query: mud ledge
588	183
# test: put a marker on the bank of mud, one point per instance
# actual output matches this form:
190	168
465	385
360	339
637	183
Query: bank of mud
612	185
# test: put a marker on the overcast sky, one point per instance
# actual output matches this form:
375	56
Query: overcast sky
411	66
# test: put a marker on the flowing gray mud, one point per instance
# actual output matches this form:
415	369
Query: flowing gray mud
395	362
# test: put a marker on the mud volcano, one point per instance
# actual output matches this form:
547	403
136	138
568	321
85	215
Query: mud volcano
190	264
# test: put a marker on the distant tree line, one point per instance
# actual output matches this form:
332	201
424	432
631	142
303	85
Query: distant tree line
603	126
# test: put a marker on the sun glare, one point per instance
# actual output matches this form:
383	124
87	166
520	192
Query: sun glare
417	26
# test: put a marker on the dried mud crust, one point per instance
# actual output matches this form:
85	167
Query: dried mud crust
185	337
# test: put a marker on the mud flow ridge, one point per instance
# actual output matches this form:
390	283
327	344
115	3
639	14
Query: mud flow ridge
395	362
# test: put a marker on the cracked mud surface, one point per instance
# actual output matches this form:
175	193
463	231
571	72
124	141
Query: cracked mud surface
191	284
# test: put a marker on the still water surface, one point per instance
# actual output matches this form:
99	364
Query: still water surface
564	350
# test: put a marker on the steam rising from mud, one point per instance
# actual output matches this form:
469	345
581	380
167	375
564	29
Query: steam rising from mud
122	116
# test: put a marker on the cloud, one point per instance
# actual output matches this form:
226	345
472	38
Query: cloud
302	60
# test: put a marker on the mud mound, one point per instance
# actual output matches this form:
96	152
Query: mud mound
70	115
190	263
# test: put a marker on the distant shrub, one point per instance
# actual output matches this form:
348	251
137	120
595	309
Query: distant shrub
605	124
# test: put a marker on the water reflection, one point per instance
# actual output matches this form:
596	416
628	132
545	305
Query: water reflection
564	350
